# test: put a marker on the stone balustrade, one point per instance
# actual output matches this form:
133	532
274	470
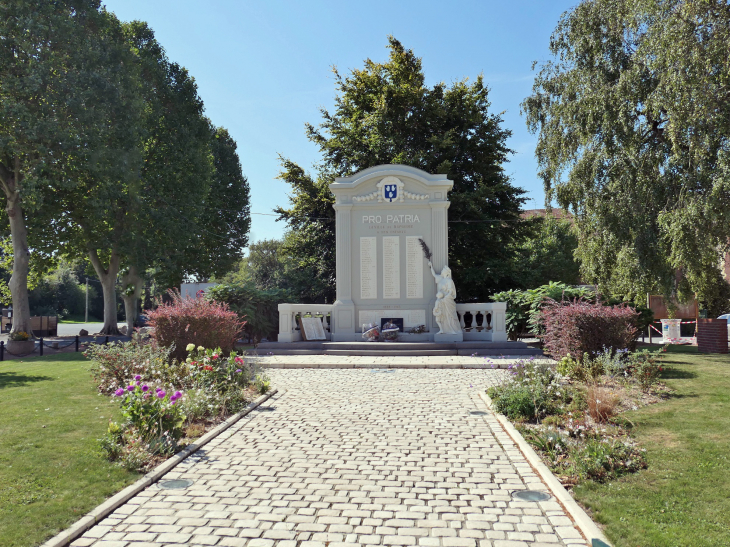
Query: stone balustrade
288	325
479	321
483	321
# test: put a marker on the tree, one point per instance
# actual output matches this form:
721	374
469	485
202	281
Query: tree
99	208
384	113
264	263
310	240
60	63
633	121
220	231
162	205
546	254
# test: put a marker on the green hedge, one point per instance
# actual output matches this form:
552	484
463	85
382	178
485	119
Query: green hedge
259	308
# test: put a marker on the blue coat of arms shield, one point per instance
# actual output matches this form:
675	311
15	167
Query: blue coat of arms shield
390	191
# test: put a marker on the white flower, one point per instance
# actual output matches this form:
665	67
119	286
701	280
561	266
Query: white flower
190	347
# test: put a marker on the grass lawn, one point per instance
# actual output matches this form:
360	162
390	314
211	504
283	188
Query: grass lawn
682	499
80	319
50	471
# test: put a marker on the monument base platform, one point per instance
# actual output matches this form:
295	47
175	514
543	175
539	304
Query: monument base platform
448	338
405	349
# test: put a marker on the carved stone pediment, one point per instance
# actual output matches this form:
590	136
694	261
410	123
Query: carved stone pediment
390	190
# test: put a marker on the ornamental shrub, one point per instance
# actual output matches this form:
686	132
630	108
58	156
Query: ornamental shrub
114	365
259	307
153	413
197	321
533	391
645	367
580	327
523	307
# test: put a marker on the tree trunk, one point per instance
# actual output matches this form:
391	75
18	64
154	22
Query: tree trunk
21	264
132	283
21	256
108	278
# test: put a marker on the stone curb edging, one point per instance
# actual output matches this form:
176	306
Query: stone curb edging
106	508
294	365
586	525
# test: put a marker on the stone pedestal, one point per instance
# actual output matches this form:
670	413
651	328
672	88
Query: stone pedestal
448	338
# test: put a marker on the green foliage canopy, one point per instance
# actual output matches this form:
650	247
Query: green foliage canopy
633	120
547	253
384	113
67	94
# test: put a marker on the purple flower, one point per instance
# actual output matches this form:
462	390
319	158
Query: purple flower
137	382
130	387
119	392
177	394
238	370
161	394
173	401
158	388
145	387
138	377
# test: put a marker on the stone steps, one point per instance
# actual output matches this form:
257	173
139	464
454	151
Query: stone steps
389	353
398	349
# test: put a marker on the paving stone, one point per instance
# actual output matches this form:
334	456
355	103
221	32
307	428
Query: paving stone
349	457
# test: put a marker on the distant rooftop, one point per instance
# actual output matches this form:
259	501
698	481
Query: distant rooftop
557	213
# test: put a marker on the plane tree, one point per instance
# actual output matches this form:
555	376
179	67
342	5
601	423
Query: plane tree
64	95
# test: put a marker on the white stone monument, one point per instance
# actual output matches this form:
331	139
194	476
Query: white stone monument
382	213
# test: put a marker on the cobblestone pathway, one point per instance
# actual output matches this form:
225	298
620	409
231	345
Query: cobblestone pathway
351	457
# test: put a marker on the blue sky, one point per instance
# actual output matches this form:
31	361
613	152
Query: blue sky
263	68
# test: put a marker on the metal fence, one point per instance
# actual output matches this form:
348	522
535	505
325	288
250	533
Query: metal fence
40	344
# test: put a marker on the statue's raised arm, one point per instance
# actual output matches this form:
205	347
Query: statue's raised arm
436	276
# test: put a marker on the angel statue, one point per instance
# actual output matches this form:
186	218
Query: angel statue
445	309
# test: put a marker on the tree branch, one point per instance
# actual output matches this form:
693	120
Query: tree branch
94	257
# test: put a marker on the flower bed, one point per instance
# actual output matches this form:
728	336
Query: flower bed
166	404
571	412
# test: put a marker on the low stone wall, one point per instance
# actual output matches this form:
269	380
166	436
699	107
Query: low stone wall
712	336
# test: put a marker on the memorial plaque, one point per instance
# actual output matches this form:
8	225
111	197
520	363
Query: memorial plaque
311	328
391	267
368	268
414	267
369	316
415	318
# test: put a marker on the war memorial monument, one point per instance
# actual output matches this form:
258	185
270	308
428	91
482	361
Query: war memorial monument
389	218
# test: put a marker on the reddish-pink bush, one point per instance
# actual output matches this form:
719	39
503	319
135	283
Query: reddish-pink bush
578	327
196	321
